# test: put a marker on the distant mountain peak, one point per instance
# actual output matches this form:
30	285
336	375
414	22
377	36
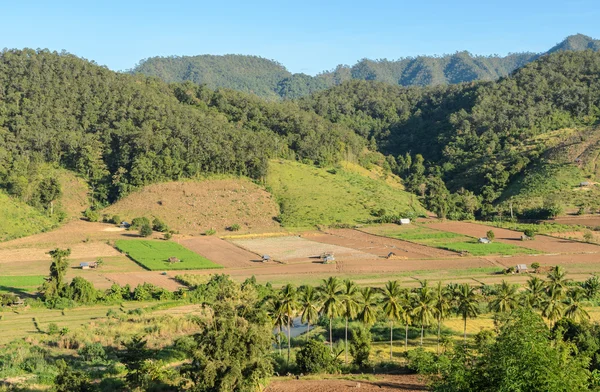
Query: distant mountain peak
576	42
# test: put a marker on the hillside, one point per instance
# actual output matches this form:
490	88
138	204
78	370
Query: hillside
20	219
345	194
269	79
192	207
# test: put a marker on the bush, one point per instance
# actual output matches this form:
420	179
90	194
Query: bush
210	231
360	346
234	227
52	329
158	225
421	361
92	352
138	222
314	357
529	233
145	230
168	235
588	236
116	219
490	235
91	215
535	266
581	210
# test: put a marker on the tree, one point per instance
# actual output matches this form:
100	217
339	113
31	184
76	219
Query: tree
49	190
70	380
406	316
535	293
55	282
360	346
314	357
278	317
308	306
331	302
490	235
349	308
506	298
392	307
288	299
424	306
591	287
557	283
553	307
133	358
442	297
146	230
467	304
230	354
573	309
367	306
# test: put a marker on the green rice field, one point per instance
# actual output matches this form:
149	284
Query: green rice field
154	255
14	284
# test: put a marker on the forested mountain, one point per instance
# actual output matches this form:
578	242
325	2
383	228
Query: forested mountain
269	79
476	136
122	131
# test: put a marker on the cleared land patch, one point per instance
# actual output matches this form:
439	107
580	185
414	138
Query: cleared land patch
222	252
541	243
192	207
457	242
154	255
400	383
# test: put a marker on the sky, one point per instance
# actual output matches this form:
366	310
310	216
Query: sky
305	36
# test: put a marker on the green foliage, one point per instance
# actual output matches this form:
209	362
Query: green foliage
154	255
54	285
490	235
138	222
530	232
360	346
92	352
20	219
115	219
145	230
92	215
234	227
210	231
160	226
315	357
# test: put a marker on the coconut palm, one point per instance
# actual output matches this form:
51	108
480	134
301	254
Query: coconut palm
592	287
331	302
308	306
553	307
367	306
406	316
467	304
535	293
288	299
443	301
506	298
573	309
424	307
392	307
276	310
557	283
349	308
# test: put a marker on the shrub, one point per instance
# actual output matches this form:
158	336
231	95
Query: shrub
535	266
421	361
52	329
158	225
588	236
529	233
116	219
581	210
168	235
91	215
314	357
92	352
145	230
138	222
234	227
490	235
210	231
360	346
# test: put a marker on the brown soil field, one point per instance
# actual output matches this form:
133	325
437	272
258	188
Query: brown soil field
541	242
578	235
293	249
583	220
378	245
192	207
406	383
135	278
84	251
222	252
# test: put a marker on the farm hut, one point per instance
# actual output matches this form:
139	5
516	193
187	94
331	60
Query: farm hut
578	160
484	240
405	221
328	259
88	265
173	259
584	184
390	255
521	268
266	258
19	301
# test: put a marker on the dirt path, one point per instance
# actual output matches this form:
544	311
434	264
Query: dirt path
222	252
405	383
541	243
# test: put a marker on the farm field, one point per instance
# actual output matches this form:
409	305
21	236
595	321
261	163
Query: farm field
541	243
222	252
590	221
457	242
20	284
401	383
154	255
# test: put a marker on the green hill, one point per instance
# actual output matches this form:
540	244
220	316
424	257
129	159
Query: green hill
346	194
20	219
269	79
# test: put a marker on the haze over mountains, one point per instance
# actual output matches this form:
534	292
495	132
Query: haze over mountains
269	79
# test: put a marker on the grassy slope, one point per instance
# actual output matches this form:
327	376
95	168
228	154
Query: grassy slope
557	175
153	255
309	196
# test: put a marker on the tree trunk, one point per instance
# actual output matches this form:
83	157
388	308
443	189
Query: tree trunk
330	335
279	339
465	320
346	343
391	339
439	333
406	337
289	339
422	329
307	329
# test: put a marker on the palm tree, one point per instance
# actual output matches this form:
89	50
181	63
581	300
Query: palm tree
534	293
573	309
557	283
278	316
443	301
349	309
467	304
553	307
308	306
288	299
392	307
406	316
424	306
367	305
505	299
330	308
592	287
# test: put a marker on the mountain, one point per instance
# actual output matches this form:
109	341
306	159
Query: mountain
269	79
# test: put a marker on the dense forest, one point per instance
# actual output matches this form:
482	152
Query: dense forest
269	79
122	131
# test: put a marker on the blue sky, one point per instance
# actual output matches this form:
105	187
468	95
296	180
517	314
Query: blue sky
305	36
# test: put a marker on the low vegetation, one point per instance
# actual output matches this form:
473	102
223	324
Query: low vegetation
155	255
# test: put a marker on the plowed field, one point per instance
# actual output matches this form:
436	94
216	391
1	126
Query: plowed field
223	253
403	383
